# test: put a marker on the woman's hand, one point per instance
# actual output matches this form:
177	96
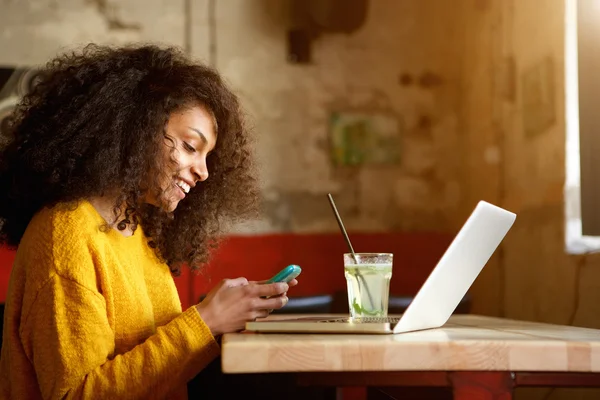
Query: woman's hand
291	283
234	302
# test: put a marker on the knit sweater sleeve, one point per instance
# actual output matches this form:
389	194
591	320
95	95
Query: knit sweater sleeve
68	340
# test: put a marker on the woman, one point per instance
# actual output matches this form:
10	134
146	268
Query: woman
105	191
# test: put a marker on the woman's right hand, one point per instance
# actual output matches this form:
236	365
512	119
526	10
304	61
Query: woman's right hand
233	302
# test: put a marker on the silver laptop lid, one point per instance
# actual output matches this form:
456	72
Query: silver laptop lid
457	269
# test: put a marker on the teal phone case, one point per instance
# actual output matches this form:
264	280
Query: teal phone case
287	274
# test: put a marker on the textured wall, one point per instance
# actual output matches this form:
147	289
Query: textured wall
34	30
291	105
403	63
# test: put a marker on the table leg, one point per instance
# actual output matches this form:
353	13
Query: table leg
482	385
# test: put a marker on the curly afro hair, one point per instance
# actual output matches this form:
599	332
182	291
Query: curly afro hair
95	123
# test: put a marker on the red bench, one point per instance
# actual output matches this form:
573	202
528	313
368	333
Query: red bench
320	256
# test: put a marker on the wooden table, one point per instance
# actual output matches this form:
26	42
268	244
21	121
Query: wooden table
478	357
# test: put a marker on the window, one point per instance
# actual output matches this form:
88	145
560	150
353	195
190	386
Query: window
582	187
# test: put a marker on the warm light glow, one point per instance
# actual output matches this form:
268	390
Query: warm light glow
572	94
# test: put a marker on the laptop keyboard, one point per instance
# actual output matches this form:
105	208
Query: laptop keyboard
368	320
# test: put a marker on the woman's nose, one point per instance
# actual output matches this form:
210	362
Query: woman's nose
200	173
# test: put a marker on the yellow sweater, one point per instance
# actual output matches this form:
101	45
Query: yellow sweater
93	314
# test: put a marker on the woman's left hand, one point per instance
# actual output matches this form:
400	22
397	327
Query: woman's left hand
291	283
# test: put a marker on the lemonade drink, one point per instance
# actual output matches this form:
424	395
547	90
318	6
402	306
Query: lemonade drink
368	284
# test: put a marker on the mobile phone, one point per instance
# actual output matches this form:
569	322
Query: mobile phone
287	274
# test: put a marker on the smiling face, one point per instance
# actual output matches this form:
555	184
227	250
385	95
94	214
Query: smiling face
191	136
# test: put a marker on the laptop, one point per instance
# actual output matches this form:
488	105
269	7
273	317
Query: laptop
439	296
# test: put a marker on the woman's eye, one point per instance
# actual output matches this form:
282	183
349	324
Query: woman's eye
188	147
